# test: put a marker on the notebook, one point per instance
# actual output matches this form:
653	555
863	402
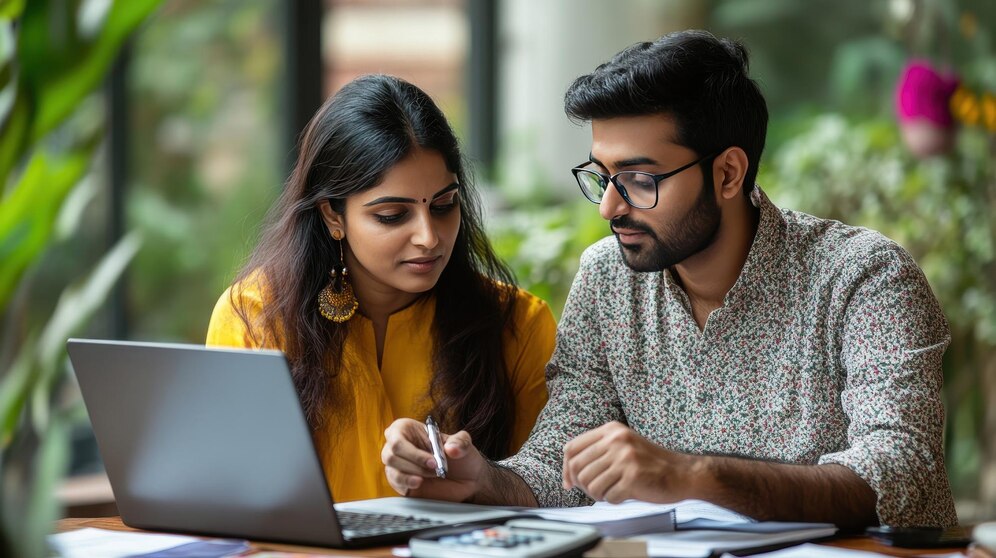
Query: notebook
213	441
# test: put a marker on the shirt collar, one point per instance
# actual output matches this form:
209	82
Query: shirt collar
764	260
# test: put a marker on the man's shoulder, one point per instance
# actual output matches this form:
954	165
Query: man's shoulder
602	254
601	249
837	245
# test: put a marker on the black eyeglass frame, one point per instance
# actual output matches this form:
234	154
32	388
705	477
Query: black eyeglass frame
622	189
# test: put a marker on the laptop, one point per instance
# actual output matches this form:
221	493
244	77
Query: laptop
213	441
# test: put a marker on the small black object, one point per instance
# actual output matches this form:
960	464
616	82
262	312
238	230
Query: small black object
919	537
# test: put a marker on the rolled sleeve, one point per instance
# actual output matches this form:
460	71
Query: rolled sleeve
893	339
581	390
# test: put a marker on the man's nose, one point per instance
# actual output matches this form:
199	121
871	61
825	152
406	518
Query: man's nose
612	204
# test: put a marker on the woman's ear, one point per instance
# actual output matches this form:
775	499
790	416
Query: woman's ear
333	221
730	169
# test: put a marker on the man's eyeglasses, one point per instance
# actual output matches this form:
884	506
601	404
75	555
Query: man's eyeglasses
638	188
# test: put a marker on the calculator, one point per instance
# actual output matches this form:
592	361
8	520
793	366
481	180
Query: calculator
528	538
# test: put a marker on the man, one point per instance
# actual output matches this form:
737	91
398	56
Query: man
771	362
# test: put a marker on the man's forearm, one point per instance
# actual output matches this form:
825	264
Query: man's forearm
784	492
500	486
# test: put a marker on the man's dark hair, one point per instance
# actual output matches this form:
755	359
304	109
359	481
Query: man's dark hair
697	79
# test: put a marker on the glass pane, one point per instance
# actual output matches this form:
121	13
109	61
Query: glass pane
207	156
422	41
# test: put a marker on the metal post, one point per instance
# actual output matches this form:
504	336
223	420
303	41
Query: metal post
482	71
303	80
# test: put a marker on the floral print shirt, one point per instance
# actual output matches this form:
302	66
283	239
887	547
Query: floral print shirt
827	349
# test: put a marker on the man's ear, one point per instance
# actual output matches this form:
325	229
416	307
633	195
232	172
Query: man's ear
728	170
333	221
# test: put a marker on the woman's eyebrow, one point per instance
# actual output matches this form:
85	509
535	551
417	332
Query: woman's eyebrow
396	199
389	199
445	190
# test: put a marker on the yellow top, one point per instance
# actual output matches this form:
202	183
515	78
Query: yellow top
350	449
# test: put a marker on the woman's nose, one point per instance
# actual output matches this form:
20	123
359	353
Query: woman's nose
425	233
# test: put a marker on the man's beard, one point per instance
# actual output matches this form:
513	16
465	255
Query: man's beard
690	235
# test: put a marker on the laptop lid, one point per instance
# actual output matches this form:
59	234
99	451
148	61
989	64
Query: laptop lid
213	441
205	440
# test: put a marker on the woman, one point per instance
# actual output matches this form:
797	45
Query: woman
375	278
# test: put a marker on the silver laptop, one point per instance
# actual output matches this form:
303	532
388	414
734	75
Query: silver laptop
214	441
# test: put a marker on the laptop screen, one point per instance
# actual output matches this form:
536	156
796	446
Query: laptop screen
205	440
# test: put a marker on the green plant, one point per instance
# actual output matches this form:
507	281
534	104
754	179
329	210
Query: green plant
54	55
542	244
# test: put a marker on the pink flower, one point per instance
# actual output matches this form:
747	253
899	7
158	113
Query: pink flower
923	98
924	93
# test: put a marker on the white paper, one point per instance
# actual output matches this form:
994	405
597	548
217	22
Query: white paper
689	510
602	512
701	543
103	543
810	550
685	510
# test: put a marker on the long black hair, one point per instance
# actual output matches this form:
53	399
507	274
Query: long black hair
366	128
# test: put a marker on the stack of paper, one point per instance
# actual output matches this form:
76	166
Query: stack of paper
817	551
689	528
698	543
620	520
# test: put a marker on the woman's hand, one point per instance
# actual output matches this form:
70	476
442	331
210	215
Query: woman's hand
411	469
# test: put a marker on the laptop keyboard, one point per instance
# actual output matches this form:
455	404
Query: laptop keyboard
357	524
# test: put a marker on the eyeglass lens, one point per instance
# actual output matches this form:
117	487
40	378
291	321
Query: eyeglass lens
639	188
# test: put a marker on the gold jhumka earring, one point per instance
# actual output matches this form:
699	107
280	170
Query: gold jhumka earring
337	302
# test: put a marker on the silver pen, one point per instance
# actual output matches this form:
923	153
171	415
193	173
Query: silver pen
437	447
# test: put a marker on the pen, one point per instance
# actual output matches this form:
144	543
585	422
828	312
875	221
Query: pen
437	447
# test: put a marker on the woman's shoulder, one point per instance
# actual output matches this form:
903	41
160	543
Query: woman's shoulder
244	295
241	301
528	304
529	342
530	312
250	289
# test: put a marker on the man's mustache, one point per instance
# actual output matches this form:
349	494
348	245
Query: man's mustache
624	222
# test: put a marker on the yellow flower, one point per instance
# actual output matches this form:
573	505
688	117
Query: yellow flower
965	107
989	111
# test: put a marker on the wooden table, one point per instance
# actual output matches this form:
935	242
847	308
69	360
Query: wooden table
860	542
114	523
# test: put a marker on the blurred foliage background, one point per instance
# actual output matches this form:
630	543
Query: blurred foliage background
207	158
54	57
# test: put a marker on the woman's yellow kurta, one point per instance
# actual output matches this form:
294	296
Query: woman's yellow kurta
350	446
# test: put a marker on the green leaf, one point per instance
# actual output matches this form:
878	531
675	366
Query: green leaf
14	135
43	507
11	9
79	302
14	388
59	92
76	306
28	213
